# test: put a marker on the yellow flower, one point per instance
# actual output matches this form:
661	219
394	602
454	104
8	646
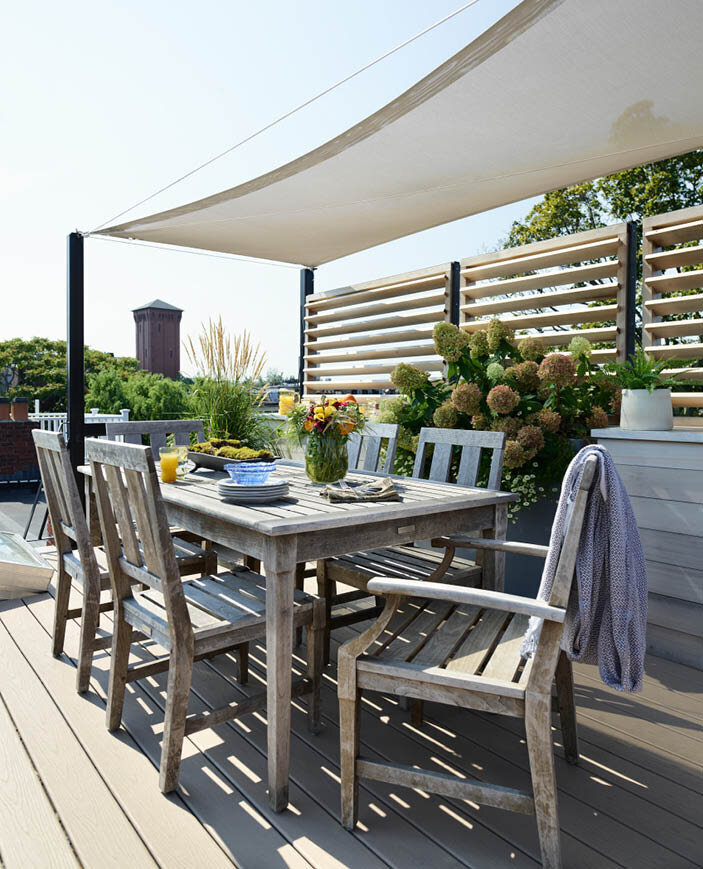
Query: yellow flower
329	411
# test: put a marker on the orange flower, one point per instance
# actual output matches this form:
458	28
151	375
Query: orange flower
308	425
349	397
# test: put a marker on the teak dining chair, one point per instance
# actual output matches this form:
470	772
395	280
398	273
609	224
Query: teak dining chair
77	559
409	561
462	647
157	431
191	620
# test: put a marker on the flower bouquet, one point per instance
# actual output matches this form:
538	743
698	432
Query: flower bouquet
326	426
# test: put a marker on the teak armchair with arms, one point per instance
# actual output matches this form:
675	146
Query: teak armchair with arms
462	646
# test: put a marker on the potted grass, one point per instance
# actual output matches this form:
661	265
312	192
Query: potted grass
646	393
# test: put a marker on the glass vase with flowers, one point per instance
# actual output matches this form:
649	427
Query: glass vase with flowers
325	426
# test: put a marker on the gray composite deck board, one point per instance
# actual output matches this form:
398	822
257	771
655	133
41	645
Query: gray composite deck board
630	803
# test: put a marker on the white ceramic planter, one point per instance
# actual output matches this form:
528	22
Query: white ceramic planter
642	410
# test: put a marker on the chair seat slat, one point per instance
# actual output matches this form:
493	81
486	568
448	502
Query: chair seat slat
478	644
506	658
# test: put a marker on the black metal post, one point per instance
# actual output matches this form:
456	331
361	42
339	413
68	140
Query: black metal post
307	287
75	343
631	286
455	293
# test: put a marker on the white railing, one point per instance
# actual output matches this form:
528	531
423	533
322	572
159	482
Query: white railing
57	421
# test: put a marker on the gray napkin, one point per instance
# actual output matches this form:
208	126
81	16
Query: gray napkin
378	490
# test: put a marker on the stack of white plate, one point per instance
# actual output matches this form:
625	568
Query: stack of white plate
258	493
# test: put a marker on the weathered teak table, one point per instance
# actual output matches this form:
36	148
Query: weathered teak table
306	527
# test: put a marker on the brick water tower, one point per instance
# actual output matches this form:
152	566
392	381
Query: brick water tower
159	338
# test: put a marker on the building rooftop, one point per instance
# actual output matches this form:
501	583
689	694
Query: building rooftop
157	303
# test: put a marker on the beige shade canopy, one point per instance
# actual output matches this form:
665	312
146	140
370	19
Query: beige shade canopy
556	92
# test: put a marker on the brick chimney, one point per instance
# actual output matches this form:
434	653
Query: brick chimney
158	327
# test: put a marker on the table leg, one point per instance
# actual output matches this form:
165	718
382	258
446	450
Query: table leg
494	562
280	569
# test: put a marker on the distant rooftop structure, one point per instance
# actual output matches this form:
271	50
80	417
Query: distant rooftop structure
158	303
158	327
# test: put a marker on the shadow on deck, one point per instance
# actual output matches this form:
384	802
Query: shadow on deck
73	793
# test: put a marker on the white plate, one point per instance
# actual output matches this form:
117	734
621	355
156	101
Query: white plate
224	487
241	498
269	484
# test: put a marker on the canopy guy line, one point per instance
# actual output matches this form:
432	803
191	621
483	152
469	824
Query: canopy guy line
171	248
290	113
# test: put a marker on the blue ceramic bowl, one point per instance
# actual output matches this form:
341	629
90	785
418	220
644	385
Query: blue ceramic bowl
250	473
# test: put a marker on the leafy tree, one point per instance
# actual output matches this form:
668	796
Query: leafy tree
153	396
107	390
147	395
41	367
630	195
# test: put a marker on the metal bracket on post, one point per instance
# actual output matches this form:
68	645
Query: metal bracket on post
454	293
631	287
75	350
307	287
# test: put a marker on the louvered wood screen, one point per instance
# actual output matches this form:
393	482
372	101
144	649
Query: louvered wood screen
672	293
356	335
544	289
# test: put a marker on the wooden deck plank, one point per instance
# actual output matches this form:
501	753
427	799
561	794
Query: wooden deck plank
30	831
631	812
398	842
226	812
175	836
625	805
104	838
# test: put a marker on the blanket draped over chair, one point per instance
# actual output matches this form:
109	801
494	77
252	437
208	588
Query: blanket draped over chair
607	613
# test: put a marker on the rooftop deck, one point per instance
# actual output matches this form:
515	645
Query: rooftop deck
73	794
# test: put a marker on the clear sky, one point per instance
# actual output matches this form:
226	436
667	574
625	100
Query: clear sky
104	102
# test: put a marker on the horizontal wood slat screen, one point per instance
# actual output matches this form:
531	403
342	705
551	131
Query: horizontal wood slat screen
547	288
356	335
672	299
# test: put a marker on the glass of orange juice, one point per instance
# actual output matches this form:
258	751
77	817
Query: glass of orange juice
169	464
287	399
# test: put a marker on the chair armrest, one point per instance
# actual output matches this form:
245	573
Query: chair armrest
513	546
457	594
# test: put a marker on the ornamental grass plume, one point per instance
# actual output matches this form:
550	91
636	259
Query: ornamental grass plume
495	372
407	378
502	399
597	418
507	424
558	370
514	455
580	347
466	398
547	419
445	416
498	332
531	349
449	341
479	344
523	376
531	438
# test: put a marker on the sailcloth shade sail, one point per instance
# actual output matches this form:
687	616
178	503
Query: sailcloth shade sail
556	92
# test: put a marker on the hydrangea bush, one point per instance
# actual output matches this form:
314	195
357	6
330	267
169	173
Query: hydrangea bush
542	400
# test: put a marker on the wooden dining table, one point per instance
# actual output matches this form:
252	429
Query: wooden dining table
304	527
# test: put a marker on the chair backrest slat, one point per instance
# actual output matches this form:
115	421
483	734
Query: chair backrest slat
561	587
135	527
157	431
68	521
471	443
365	450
